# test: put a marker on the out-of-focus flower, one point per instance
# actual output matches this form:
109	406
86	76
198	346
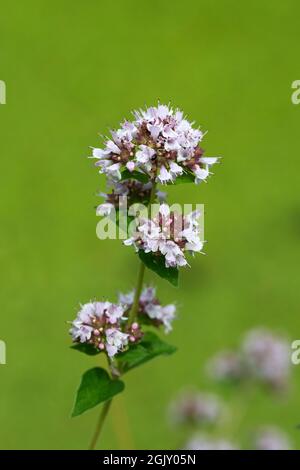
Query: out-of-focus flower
159	142
169	234
267	357
202	442
150	309
195	408
271	438
226	365
263	356
103	325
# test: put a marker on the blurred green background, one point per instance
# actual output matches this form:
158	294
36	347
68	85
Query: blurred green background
74	69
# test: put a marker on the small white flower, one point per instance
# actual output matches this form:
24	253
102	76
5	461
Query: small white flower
100	153
130	130
129	242
148	295
154	130
164	175
112	147
113	171
104	209
115	341
175	169
164	210
145	154
209	160
126	299
200	173
114	313
173	254
165	314
130	166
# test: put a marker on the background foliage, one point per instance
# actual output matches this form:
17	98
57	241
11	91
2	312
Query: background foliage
73	69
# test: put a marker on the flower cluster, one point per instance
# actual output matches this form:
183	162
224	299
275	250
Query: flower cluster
105	325
271	438
226	365
133	190
202	442
266	438
150	310
268	357
195	408
263	356
159	142
168	234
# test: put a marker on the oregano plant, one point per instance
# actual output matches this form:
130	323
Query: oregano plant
158	147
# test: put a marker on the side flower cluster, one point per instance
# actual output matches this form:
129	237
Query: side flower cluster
150	310
159	142
100	324
169	234
104	325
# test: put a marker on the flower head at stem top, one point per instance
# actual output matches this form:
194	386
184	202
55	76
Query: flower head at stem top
160	142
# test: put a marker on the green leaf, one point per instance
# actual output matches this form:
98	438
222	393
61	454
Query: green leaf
187	177
134	175
85	348
157	264
149	347
96	387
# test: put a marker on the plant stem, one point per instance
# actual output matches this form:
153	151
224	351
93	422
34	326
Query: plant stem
134	309
138	290
131	318
100	423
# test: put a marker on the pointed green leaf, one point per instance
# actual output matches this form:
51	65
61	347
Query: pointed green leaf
186	177
85	348
150	347
134	175
157	264
96	387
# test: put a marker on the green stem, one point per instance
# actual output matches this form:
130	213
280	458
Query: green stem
99	426
131	318
139	285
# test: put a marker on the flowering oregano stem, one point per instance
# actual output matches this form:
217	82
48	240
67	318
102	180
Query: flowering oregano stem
141	273
100	423
159	145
